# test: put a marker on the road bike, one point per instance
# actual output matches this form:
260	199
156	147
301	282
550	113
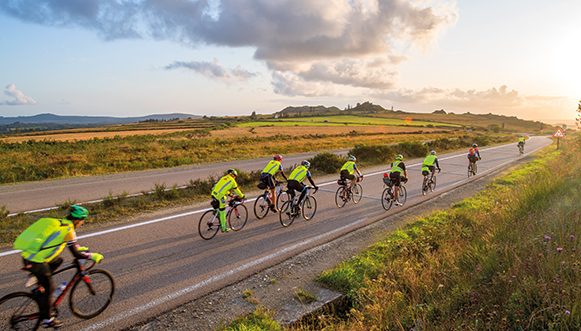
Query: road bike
263	202
236	216
521	149
91	292
344	194
472	169
429	183
291	210
388	197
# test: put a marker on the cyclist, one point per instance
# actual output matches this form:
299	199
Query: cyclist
348	169
397	167
521	143
43	262
473	155
296	178
430	163
221	190
267	177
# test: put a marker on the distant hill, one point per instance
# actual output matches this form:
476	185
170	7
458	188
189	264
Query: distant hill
99	120
307	110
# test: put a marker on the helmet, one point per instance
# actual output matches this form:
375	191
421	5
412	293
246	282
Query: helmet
399	157
78	212
232	172
278	157
474	145
306	163
433	153
352	158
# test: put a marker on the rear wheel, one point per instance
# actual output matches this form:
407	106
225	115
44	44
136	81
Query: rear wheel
433	184
341	196
286	214
92	294
19	311
403	195
282	198
261	206
237	217
425	185
209	224
470	170
357	192
386	200
309	207
474	169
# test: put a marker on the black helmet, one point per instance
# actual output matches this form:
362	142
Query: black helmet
232	172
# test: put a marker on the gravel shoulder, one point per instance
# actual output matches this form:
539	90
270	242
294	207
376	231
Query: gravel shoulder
275	288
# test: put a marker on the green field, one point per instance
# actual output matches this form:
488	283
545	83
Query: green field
342	120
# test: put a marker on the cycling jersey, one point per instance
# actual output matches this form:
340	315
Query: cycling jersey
54	244
223	187
473	151
272	167
430	160
299	174
397	166
350	166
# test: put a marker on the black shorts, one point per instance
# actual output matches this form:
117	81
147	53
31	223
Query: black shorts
472	158
294	185
395	178
425	173
345	174
267	179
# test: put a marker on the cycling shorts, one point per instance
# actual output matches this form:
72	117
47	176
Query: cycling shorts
345	174
267	179
395	178
425	173
473	158
295	185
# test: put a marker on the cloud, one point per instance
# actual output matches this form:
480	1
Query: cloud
213	70
19	97
311	40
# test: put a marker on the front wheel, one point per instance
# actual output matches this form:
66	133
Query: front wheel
357	192
209	224
309	207
287	214
261	206
403	195
341	196
386	200
470	170
92	294
19	311
237	217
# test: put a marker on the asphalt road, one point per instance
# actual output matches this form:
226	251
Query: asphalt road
162	262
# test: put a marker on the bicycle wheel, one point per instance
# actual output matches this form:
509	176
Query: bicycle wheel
474	169
282	198
19	311
403	195
237	217
433	184
357	192
209	224
470	171
425	185
92	294
309	207
341	197
261	206
287	215
386	200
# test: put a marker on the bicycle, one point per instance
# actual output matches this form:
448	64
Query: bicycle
388	197
263	202
472	169
345	194
429	183
91	292
290	209
521	149
237	215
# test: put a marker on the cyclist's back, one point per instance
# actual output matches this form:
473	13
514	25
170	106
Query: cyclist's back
473	154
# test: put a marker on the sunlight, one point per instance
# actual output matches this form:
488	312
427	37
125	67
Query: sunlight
567	63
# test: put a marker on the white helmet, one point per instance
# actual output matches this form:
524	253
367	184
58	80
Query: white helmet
352	158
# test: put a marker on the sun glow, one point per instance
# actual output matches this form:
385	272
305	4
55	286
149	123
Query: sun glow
567	61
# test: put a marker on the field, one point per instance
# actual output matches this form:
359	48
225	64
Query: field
347	120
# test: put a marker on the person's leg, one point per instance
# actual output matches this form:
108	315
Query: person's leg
222	213
43	274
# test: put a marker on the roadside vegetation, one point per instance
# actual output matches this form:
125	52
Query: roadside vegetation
505	259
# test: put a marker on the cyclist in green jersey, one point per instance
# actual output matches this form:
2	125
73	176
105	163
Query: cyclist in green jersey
348	170
43	260
397	168
296	178
221	190
268	178
430	163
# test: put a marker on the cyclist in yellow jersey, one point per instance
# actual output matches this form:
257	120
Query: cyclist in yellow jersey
296	178
430	163
521	142
395	173
348	169
221	190
44	261
268	178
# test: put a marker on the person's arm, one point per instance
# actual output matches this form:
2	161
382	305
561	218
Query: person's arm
357	170
438	165
237	191
283	175
311	180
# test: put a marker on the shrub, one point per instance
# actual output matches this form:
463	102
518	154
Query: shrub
481	140
326	162
373	154
412	149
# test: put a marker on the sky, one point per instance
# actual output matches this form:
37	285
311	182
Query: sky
127	58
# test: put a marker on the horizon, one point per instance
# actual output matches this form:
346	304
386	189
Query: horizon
136	58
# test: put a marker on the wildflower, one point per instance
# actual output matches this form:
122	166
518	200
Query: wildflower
559	249
547	237
567	312
572	237
540	254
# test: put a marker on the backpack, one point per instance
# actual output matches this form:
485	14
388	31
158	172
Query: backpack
32	239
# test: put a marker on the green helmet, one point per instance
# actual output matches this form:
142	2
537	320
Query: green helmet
78	212
399	157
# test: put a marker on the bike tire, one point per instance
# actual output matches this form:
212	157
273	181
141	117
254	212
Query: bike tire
281	198
309	207
237	217
356	193
433	184
386	201
340	200
286	216
474	169
469	171
208	227
261	206
19	311
89	299
403	195
425	185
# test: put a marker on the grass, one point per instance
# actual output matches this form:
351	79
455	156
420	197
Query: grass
259	320
505	259
345	120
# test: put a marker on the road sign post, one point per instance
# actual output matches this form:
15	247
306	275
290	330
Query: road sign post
558	134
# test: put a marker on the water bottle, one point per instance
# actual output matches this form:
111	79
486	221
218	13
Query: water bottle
59	290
